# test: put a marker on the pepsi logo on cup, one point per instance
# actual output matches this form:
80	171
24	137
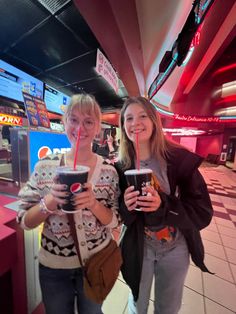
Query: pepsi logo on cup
76	188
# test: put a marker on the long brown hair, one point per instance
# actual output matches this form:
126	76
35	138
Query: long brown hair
158	143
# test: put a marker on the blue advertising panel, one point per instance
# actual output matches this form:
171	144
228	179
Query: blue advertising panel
14	81
55	100
42	144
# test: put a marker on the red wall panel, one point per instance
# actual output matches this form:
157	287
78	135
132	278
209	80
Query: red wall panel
209	145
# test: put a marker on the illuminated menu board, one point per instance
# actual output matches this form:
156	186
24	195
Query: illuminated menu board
36	111
55	100
14	81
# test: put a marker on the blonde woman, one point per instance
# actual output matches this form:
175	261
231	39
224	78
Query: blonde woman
59	269
158	239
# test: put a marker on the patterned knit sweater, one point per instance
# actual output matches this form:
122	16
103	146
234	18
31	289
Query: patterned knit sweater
57	245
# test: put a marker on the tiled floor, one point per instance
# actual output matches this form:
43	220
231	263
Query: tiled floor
204	293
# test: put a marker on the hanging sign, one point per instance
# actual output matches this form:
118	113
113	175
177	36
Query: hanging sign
105	69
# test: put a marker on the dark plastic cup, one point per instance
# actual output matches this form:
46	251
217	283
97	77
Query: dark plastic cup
74	179
139	179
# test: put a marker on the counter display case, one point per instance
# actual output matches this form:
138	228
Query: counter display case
28	146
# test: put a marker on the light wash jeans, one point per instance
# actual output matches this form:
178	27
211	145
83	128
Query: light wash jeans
59	288
168	263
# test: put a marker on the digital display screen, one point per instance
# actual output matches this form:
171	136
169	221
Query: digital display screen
55	100
14	81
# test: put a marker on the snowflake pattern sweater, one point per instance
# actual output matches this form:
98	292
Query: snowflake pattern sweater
57	245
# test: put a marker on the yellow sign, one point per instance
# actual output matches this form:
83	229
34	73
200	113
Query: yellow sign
10	120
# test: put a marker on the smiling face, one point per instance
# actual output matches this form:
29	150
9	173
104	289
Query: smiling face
88	124
136	121
84	114
139	115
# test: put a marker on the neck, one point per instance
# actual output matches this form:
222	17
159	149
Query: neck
85	155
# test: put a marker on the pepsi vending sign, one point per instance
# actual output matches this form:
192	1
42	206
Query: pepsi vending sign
42	144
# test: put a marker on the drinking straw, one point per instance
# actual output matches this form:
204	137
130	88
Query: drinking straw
137	152
76	148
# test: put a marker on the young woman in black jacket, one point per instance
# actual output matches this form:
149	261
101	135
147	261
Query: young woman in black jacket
158	239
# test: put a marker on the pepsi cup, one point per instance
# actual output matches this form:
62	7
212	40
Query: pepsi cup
74	179
139	178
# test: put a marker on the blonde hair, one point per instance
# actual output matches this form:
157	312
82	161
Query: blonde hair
159	145
85	104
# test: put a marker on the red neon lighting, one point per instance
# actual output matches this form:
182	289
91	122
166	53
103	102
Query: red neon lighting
195	118
228	120
224	69
226	100
196	39
181	131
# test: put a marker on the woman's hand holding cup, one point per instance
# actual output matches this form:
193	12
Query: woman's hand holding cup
85	199
57	197
59	192
130	198
149	202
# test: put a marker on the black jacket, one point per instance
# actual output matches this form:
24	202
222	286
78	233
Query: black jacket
190	211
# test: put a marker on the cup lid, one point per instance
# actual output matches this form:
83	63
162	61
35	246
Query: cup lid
67	169
137	171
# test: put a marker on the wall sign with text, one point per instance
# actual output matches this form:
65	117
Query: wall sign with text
10	120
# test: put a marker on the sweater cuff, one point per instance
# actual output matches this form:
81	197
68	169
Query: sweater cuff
21	220
114	222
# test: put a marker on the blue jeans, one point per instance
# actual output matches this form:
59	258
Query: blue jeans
60	287
168	263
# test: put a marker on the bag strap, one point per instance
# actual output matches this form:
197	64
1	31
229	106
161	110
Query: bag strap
62	161
74	236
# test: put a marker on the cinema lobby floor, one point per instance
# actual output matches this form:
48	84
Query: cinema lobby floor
203	293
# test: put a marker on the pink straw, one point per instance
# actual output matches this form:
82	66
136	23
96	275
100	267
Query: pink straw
76	148
137	152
